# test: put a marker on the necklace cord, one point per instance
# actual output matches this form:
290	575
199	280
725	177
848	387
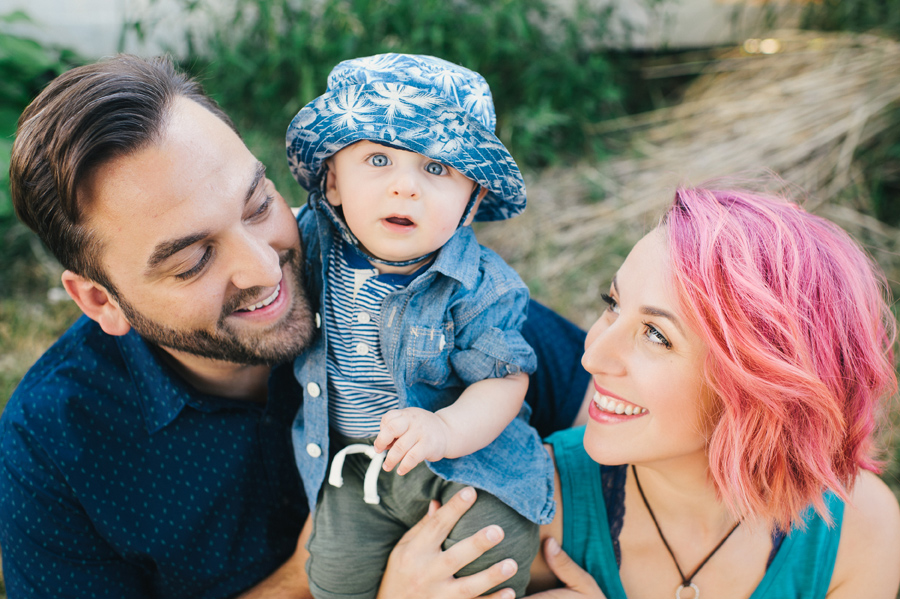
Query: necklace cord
685	580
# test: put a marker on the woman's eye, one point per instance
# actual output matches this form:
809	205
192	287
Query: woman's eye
435	168
611	304
379	160
655	336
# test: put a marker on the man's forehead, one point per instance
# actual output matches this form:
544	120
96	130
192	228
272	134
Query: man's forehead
175	184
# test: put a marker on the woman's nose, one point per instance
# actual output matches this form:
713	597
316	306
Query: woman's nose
604	349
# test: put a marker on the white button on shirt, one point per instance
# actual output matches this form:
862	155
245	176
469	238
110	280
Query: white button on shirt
313	389
362	349
363	318
313	450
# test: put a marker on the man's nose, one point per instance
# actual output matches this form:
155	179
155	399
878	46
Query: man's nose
257	263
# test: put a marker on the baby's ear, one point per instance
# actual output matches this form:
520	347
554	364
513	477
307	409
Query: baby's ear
331	191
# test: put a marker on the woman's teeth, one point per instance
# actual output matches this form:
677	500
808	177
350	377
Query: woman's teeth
265	302
608	404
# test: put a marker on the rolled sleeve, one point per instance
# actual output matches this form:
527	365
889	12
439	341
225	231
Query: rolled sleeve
490	344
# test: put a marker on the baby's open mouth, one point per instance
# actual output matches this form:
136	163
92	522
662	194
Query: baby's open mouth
399	220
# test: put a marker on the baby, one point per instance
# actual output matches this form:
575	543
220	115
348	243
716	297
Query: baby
416	386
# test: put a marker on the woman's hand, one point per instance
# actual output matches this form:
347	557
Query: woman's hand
418	567
578	582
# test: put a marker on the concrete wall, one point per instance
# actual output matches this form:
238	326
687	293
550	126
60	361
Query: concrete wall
95	27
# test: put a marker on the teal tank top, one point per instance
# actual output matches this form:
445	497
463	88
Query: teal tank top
801	568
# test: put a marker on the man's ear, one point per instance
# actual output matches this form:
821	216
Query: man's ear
331	191
96	302
480	197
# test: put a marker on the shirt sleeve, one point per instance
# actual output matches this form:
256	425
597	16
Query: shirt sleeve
489	341
50	548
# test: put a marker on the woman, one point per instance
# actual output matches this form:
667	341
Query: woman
740	367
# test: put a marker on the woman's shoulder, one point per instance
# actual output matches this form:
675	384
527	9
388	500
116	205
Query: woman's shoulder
868	559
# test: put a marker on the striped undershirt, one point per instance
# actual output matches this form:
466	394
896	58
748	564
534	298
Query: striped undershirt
360	388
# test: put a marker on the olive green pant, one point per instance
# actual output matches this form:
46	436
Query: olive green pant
351	539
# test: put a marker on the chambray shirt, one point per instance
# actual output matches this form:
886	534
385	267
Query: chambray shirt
119	480
455	324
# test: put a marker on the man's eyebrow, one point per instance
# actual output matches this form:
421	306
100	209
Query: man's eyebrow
258	176
166	249
651	311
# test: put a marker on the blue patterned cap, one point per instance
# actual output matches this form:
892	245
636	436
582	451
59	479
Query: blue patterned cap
418	103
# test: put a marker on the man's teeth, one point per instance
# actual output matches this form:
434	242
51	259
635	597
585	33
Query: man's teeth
265	302
608	404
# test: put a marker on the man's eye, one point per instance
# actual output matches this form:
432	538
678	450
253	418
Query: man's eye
197	268
263	207
379	160
435	168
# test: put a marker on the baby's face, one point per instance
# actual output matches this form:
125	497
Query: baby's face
399	204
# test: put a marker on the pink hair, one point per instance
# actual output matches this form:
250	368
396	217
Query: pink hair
800	339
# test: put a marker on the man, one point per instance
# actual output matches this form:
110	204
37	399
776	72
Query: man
147	453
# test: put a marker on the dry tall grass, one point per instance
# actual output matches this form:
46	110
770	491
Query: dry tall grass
801	112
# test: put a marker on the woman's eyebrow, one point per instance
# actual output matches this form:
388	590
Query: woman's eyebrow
653	311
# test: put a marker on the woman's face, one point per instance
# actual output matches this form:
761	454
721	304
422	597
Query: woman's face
650	402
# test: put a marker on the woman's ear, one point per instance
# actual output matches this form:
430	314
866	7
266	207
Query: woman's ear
331	191
96	302
472	212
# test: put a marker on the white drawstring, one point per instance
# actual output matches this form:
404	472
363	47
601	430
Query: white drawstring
370	482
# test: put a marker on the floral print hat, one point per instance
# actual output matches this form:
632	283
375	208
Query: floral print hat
418	103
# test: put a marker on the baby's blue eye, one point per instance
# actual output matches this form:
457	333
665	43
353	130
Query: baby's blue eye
379	160
435	168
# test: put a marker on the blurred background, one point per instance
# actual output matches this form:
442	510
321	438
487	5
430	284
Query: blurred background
607	105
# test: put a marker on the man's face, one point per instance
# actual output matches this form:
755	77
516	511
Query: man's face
202	250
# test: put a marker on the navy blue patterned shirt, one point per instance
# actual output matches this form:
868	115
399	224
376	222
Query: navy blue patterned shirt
117	479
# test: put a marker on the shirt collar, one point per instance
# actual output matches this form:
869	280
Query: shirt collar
162	393
460	258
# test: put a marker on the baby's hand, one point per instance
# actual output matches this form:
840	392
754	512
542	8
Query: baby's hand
411	435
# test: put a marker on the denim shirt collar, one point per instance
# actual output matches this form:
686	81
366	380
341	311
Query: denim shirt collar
455	258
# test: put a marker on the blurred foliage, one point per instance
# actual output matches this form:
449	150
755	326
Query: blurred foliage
879	160
25	68
547	67
28	322
853	15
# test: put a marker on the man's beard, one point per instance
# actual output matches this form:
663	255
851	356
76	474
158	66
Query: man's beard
282	343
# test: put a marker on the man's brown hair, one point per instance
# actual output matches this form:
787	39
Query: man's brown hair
83	119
